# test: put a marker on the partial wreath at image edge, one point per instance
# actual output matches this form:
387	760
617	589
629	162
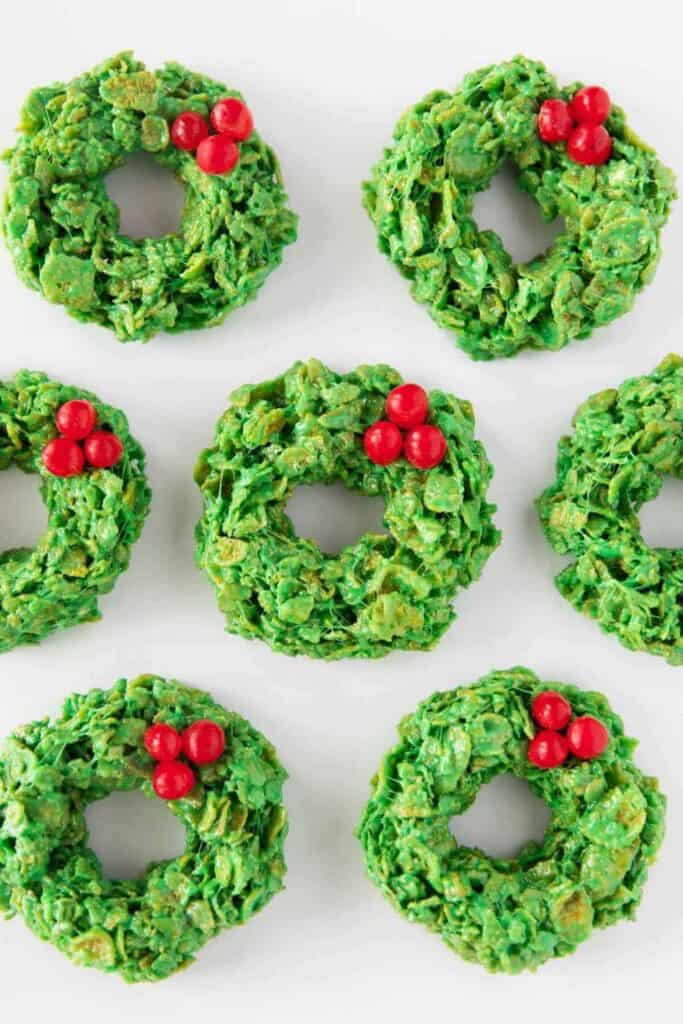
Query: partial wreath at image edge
577	158
219	777
513	914
62	228
95	489
625	441
380	437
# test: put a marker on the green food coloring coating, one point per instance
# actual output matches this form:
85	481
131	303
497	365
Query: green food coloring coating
383	593
147	928
509	914
448	147
625	441
62	229
93	518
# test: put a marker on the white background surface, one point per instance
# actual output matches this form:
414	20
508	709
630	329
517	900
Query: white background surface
326	82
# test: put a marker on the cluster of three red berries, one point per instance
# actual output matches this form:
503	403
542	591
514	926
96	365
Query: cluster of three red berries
66	455
202	743
585	737
423	445
216	154
580	124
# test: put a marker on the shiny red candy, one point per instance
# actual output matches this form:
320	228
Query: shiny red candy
188	130
587	737
590	105
383	442
63	457
75	419
172	780
555	123
217	154
551	710
548	749
103	449
590	144
233	118
407	405
424	446
203	742
162	742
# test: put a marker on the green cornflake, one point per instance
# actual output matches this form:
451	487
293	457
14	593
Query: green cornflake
62	229
511	914
382	593
625	441
132	90
68	280
93	518
448	147
154	134
146	928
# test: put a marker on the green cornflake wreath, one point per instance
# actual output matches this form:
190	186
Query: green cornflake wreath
448	147
380	594
93	518
509	915
147	928
62	229
625	441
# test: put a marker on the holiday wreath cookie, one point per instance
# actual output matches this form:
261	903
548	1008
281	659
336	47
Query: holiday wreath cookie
574	155
379	437
62	229
625	441
93	484
588	871
221	779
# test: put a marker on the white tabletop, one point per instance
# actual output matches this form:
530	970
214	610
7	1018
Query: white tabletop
326	82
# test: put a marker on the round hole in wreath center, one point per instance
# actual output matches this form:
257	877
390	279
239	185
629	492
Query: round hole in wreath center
24	516
504	208
333	516
149	197
504	817
661	520
129	831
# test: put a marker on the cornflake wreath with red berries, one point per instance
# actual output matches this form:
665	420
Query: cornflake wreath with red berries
588	871
93	484
224	783
62	229
380	438
577	158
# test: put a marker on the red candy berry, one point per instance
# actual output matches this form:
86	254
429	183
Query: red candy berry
162	742
233	118
548	749
590	105
407	405
217	154
188	130
63	457
590	144
172	780
103	449
551	710
587	737
383	442
75	419
424	446
203	742
555	122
